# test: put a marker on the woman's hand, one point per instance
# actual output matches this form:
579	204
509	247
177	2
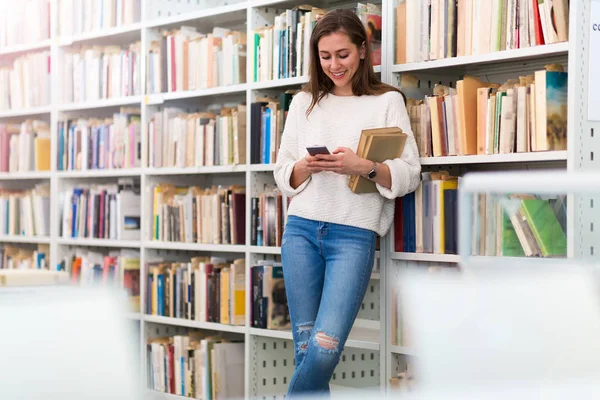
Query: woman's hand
342	161
313	164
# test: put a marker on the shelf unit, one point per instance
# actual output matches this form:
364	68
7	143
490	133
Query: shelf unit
25	48
533	157
402	350
506	56
494	67
374	343
25	239
25	112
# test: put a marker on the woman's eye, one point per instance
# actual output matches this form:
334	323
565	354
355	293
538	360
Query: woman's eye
325	58
344	56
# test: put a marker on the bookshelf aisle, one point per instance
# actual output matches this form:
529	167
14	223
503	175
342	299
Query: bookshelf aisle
187	129
469	91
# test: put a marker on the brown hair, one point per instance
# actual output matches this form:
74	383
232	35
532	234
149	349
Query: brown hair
364	81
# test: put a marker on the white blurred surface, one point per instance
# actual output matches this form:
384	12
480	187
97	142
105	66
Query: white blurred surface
505	333
65	343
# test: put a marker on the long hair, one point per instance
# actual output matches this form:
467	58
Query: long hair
364	81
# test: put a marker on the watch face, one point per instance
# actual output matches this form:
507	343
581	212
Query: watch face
372	174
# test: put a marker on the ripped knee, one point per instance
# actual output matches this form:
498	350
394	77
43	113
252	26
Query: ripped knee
305	328
327	343
302	347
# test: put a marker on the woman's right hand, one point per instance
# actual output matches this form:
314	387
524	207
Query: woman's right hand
301	172
309	161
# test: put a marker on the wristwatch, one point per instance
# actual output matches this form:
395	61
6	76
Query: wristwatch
373	173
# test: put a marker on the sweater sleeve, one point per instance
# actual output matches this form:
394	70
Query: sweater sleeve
288	151
406	170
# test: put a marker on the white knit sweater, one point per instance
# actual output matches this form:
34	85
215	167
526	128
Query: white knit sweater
338	121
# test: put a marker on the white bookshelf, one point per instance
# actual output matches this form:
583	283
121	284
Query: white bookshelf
130	32
361	339
115	243
25	239
219	248
512	56
265	250
407	351
25	48
18	176
429	257
155	99
261	168
278	83
196	15
100	173
25	112
211	326
218	169
531	157
103	103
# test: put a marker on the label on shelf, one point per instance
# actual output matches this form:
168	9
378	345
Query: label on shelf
594	62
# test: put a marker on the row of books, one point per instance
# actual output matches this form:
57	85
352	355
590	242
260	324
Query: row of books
215	215
198	365
25	212
25	257
267	120
179	139
268	217
25	147
108	211
24	22
83	16
206	289
425	221
522	115
26	82
281	50
101	72
111	143
117	269
437	29
269	301
519	225
185	59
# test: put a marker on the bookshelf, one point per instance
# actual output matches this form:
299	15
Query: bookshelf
532	157
372	346
506	56
24	48
26	112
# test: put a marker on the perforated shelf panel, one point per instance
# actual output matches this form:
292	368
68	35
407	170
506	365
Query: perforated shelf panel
370	309
272	366
583	138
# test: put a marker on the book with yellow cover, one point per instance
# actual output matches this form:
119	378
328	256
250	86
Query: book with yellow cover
378	145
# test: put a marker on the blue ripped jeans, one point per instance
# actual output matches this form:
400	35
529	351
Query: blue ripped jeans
327	269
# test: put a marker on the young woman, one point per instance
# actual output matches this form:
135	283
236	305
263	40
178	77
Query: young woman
328	244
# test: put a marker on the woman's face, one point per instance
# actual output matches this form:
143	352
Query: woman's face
340	59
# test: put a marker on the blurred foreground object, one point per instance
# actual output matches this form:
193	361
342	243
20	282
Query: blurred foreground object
66	343
487	333
32	277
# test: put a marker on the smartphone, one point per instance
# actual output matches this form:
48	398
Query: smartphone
314	150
